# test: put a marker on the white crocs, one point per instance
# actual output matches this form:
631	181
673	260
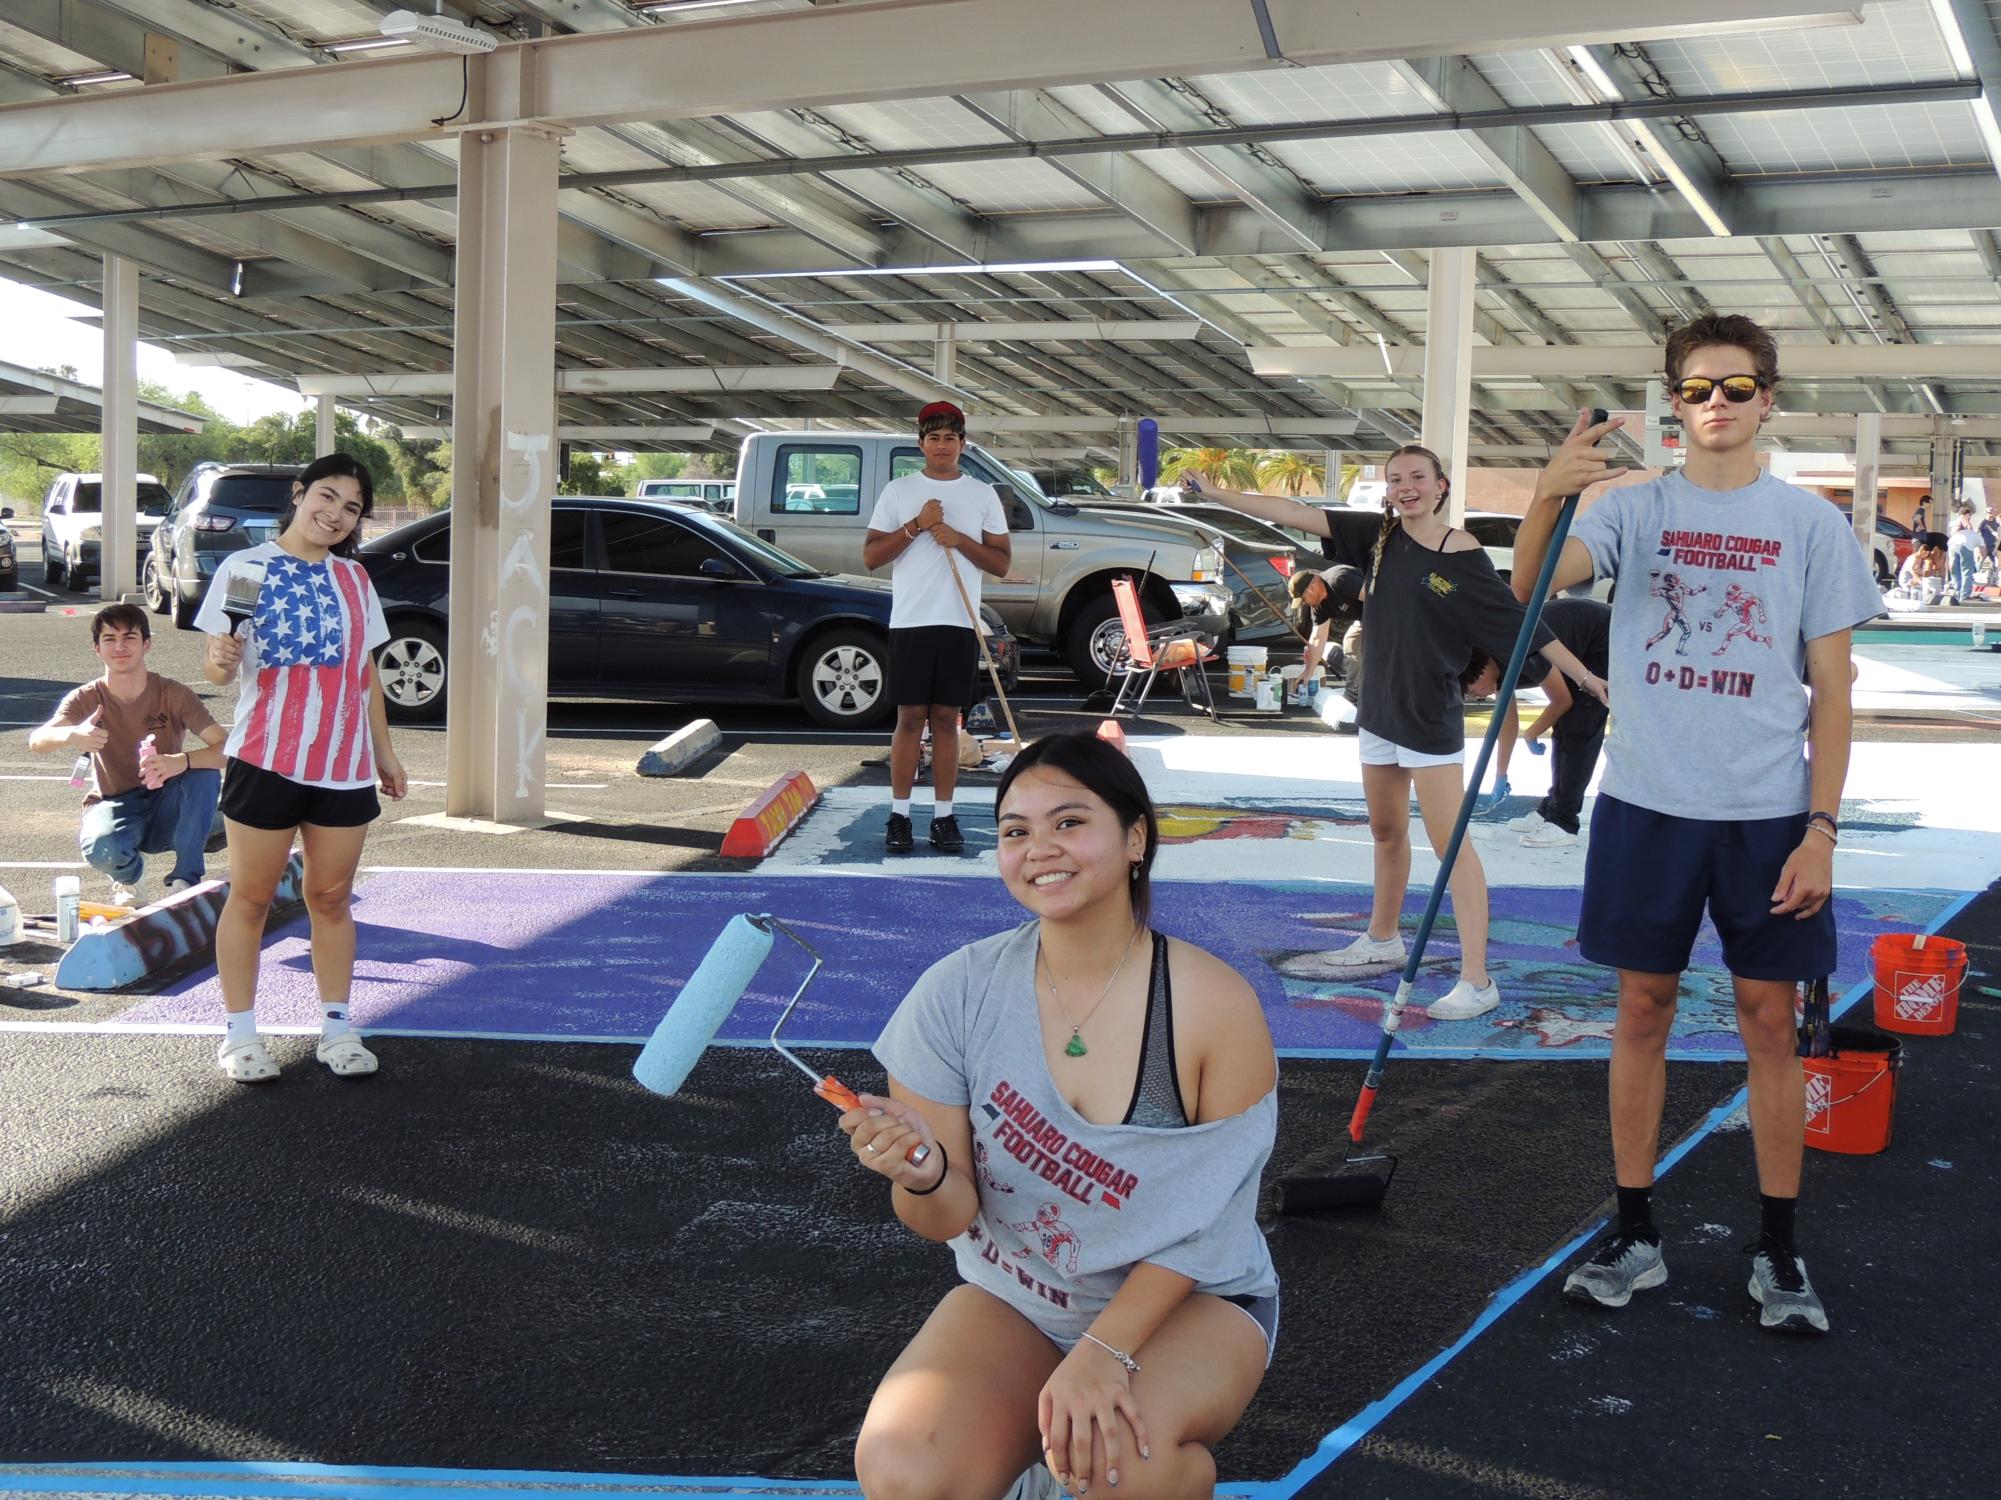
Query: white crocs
1462	1002
247	1062
345	1057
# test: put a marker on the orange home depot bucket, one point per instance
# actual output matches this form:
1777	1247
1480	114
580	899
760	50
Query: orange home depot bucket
1917	982
1851	1093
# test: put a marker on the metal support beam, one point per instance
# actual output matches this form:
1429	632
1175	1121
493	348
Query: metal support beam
707	379
788	59
1528	167
1689	163
118	495
1868	460
503	476
1633	361
1448	368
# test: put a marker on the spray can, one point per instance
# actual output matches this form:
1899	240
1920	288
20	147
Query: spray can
69	896
10	919
79	772
147	752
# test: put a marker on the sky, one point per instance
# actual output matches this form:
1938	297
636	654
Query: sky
42	331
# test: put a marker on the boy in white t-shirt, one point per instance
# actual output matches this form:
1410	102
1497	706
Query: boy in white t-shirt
928	526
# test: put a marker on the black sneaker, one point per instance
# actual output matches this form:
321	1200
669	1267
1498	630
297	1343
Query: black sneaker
945	835
897	837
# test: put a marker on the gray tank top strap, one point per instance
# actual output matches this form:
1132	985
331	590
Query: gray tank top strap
1156	1101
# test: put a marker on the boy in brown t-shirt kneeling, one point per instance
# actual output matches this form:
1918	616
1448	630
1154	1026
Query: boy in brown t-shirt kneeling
133	810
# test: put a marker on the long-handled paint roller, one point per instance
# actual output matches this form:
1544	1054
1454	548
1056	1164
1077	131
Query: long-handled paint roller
1305	1192
706	1000
980	635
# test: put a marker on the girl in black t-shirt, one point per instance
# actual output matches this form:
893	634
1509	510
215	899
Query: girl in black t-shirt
1432	599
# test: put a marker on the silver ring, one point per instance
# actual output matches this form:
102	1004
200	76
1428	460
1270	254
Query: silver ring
872	1148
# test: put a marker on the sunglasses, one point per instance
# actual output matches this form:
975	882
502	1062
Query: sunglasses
1736	388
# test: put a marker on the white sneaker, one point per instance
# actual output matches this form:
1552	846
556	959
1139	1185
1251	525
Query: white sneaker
125	895
1366	950
175	887
1526	822
1462	1002
1548	836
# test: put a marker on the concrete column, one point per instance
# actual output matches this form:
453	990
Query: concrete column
946	356
323	427
1868	461
1332	460
1448	367
1128	455
503	476
1942	483
118	544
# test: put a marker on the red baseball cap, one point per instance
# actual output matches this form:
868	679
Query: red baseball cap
934	413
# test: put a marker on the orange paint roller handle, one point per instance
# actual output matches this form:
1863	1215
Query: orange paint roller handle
844	1098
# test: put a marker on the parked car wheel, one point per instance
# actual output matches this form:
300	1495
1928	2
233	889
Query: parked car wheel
159	598
844	679
52	571
185	610
411	668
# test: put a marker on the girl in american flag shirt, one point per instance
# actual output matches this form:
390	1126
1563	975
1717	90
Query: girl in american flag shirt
308	749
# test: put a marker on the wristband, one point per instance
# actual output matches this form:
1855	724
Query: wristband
1131	1364
944	1168
1825	823
1832	837
908	532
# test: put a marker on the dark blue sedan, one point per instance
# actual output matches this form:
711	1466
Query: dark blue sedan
661	602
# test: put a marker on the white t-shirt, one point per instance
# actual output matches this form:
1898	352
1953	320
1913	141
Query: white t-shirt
302	687
924	592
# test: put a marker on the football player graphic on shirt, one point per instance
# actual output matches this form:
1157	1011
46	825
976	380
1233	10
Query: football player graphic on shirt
1670	590
1058	1238
1748	612
984	1172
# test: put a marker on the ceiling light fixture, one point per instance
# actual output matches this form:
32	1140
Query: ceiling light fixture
103	75
439	33
364	44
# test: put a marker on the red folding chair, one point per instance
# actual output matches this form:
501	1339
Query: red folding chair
1150	650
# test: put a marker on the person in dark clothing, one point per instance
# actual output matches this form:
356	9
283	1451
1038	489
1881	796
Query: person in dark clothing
1575	722
1322	602
1432	597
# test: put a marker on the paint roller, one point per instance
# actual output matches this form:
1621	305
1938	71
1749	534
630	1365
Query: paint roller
706	1001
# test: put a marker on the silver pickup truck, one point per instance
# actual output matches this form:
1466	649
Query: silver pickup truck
811	493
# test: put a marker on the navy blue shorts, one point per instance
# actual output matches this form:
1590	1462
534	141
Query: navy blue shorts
1648	876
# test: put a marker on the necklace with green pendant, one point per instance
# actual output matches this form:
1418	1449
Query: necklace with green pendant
1075	1046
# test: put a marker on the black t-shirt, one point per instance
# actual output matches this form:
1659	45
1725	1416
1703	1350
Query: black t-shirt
1585	626
1426	612
1351	536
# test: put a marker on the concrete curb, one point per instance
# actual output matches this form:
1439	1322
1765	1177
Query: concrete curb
158	936
22	604
681	749
760	827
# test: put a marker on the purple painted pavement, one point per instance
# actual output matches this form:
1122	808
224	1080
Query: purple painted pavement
604	956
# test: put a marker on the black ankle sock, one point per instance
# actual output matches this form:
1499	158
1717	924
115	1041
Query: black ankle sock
1775	1222
1636	1213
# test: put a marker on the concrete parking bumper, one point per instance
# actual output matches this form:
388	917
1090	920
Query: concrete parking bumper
680	749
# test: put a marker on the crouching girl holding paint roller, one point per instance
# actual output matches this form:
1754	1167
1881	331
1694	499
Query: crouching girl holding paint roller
1099	1100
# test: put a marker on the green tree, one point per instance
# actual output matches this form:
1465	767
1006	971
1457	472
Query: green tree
1283	472
279	438
1232	468
593	474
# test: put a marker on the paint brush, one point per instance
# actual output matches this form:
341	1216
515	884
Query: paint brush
240	594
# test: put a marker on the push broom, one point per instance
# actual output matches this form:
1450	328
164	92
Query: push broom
1367	1187
706	1000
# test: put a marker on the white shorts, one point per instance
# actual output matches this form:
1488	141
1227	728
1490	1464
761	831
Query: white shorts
1377	751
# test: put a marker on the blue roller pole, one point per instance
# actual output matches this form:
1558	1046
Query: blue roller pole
1149	452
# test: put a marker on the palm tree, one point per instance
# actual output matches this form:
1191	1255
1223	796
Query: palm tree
1232	468
1281	471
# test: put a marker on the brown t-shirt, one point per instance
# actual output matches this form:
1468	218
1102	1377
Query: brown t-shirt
167	710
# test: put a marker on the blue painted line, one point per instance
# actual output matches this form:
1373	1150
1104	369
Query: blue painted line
1359	1426
371	1482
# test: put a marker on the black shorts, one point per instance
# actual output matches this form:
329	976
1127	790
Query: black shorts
1649	875
933	666
263	799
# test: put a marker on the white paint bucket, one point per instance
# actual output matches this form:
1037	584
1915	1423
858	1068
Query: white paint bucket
1247	665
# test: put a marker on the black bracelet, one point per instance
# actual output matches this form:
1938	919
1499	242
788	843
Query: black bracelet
1827	818
944	1170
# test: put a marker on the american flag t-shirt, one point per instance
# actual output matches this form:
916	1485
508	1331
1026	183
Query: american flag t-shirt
302	709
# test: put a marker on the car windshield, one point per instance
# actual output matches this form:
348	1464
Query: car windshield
781	562
152	499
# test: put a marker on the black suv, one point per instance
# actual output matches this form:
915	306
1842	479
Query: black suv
219	508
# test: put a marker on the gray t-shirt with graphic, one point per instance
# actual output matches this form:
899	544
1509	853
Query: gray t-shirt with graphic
1068	1207
1718	592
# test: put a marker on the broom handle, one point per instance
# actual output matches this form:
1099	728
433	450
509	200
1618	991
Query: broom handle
952	564
1304	640
1503	700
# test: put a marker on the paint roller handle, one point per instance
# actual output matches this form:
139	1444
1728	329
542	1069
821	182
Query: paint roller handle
1358	1122
844	1099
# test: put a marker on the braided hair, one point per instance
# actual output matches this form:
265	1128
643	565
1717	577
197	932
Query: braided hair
1389	511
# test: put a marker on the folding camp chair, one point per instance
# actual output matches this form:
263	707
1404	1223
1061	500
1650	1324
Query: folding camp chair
1150	650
